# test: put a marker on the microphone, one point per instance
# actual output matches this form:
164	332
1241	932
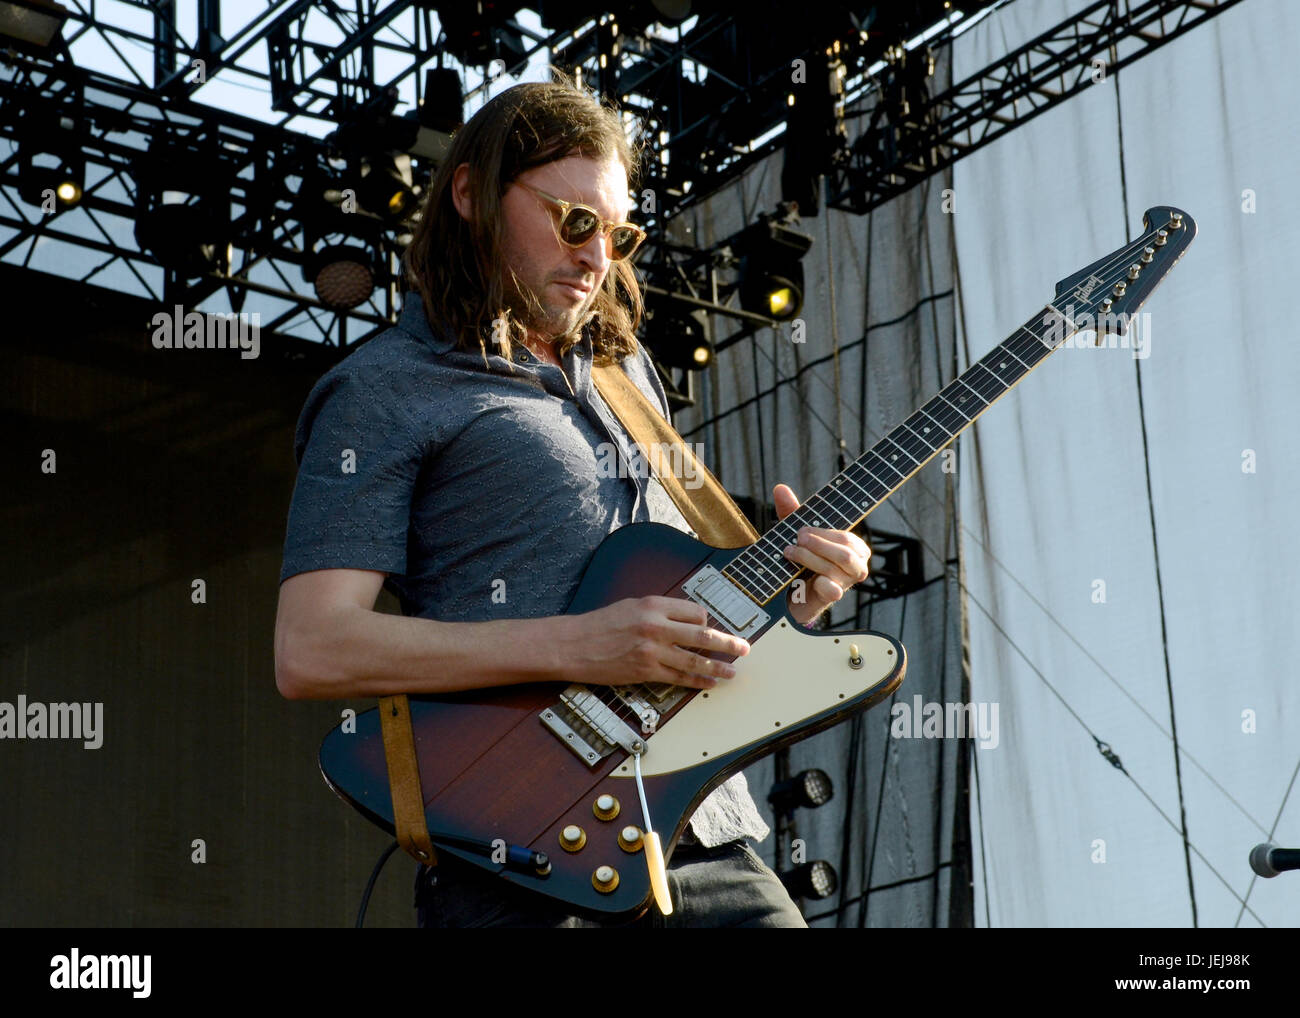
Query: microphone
1268	860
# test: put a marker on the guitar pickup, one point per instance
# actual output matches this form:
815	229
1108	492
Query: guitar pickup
725	603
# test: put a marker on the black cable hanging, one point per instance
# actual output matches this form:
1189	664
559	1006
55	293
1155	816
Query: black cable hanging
1155	546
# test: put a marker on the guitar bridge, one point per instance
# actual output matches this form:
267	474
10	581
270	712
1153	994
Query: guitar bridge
589	727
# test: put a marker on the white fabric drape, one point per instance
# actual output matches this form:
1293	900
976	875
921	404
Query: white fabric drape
769	412
1054	491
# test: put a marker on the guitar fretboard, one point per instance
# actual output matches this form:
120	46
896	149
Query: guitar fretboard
763	571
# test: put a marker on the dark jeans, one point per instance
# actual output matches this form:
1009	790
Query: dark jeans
724	886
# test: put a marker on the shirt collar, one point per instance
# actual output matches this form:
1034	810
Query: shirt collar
416	322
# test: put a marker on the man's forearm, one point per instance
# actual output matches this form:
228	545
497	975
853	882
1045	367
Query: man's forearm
359	653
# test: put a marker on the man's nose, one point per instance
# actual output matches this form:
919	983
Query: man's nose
594	255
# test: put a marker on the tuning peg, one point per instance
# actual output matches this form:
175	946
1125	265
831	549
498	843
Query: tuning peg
1119	288
1161	237
1175	220
1134	271
1147	253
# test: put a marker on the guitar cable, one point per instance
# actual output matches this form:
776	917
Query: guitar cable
370	885
517	857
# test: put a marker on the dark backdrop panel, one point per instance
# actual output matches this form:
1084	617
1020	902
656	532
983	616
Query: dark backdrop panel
171	466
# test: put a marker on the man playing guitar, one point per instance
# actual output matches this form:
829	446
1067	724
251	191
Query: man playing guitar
461	459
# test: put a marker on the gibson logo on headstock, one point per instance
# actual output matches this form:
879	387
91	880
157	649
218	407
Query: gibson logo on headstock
1084	290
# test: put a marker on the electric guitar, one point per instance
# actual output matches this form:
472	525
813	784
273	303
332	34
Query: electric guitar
539	783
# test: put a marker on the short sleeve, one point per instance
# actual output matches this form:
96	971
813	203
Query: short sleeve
358	463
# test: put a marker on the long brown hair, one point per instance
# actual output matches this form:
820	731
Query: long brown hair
456	266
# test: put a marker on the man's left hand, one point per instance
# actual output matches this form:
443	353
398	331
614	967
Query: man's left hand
837	558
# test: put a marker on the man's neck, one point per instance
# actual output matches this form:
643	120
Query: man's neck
542	347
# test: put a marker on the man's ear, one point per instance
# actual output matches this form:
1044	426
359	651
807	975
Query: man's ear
460	192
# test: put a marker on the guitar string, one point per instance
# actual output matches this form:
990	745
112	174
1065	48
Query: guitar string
1117	264
1009	345
981	389
626	713
920	485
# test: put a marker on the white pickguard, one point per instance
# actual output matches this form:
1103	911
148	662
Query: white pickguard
786	677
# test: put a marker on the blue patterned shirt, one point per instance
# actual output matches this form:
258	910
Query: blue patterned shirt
480	489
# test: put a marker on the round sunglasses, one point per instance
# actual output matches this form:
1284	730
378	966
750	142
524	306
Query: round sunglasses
579	223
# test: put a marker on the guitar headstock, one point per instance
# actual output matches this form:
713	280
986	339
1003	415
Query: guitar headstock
1108	293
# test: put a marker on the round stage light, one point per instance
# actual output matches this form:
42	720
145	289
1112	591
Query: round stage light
343	276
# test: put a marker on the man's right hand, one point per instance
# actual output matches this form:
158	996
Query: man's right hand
647	639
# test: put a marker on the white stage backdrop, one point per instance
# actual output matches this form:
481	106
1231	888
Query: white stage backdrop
1128	517
879	341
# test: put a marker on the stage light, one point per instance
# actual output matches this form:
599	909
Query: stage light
385	187
478	33
183	206
784	297
771	275
343	275
816	879
186	232
442	105
808	789
677	334
49	165
36	22
342	248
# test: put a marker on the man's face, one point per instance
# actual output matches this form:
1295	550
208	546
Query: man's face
552	270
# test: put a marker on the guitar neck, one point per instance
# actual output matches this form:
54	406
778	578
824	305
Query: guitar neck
852	494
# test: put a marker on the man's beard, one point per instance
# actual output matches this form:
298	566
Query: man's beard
545	321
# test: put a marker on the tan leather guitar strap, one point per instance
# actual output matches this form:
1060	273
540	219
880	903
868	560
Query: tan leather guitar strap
702	500
708	509
411	828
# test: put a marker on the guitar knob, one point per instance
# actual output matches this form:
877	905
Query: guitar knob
605	879
855	656
605	807
572	838
629	839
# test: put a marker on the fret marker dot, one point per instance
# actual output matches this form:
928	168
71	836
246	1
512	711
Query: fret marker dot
926	430
1003	364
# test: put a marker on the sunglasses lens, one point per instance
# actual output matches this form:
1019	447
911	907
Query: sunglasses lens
625	241
579	226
